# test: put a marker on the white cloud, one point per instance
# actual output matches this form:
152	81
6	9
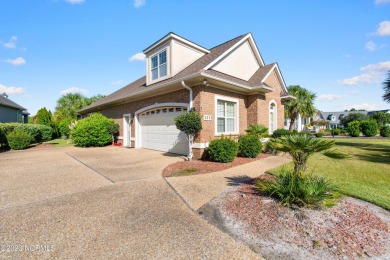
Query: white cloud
372	73
329	97
381	2
16	62
383	28
11	44
371	46
118	82
74	90
11	90
75	1
365	106
139	3
137	57
353	92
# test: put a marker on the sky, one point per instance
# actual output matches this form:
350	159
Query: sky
339	50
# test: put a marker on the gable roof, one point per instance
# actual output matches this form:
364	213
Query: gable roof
197	68
4	101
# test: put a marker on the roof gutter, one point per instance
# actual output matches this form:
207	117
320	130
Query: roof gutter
189	89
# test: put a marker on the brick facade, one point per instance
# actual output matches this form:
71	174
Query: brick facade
253	109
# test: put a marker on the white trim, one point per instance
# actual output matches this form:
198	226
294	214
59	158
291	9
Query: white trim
136	117
235	46
237	108
127	129
200	145
176	37
275	123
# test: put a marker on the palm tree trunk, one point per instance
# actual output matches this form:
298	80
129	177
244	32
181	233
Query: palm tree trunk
292	121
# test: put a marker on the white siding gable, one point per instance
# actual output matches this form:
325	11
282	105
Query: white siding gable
182	56
240	63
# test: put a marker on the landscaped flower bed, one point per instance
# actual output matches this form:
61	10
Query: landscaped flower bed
202	166
350	230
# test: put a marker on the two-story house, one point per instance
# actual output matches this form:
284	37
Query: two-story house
229	85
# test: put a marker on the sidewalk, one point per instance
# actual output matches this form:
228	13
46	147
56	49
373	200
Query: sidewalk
197	190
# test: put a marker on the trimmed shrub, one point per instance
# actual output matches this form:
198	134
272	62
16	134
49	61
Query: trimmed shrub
33	130
19	139
222	150
46	132
6	128
190	123
385	131
354	128
336	131
369	127
297	189
249	146
343	132
280	132
94	130
319	134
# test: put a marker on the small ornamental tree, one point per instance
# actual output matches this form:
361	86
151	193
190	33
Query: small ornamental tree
189	123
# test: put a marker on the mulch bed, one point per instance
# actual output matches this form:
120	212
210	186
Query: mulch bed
204	166
351	229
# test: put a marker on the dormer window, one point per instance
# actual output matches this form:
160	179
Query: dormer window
159	65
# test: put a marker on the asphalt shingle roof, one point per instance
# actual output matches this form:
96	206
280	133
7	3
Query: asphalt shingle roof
4	101
196	67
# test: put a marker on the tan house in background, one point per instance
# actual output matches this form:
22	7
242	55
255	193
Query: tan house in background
229	85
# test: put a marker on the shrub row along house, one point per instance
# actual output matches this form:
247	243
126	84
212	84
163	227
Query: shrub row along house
229	85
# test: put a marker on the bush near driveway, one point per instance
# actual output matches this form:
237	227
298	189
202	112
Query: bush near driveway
222	150
39	133
297	189
95	130
19	139
249	146
369	128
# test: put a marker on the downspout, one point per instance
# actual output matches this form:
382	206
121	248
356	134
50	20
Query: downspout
190	138
190	90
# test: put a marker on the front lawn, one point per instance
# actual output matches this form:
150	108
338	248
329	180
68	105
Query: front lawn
365	176
60	142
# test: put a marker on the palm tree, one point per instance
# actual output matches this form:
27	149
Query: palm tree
386	88
257	130
302	146
303	104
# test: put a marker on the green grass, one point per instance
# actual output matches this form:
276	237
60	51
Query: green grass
187	171
60	142
365	176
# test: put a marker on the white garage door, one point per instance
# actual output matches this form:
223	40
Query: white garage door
158	130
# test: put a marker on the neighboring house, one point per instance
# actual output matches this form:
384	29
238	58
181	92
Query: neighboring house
333	118
12	112
229	85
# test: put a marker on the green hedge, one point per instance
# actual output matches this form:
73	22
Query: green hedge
95	130
39	133
280	132
222	150
249	146
19	139
385	131
369	127
354	128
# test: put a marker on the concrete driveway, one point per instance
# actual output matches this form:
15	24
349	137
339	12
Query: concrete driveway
100	203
